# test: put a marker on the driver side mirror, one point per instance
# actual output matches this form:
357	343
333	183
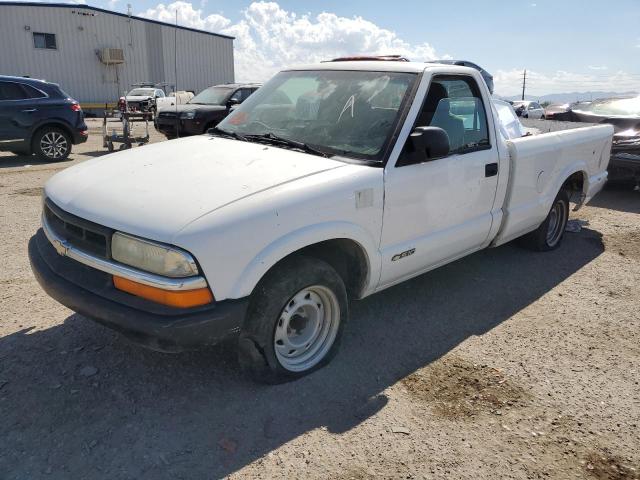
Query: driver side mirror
232	101
429	143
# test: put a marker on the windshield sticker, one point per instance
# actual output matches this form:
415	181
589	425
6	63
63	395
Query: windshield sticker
347	106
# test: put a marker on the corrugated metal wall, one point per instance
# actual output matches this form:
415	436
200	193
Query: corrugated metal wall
202	59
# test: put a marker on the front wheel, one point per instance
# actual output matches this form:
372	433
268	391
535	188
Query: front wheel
550	233
52	143
295	321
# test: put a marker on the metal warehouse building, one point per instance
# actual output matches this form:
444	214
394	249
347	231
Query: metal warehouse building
96	54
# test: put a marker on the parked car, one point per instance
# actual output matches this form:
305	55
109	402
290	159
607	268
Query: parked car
624	115
529	109
332	182
172	99
141	99
558	111
39	117
204	111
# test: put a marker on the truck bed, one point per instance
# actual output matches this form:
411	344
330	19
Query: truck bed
539	164
546	126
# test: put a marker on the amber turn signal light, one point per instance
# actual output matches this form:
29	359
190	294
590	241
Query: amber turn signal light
178	299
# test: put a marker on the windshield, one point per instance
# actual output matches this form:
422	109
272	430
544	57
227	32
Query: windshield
350	113
142	92
212	96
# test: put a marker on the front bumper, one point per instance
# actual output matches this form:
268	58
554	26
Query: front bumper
167	126
91	293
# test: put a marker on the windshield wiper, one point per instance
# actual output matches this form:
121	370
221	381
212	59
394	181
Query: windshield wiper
225	133
285	142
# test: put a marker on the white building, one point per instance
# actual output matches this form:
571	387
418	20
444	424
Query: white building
96	54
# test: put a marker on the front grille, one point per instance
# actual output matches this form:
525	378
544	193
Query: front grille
82	234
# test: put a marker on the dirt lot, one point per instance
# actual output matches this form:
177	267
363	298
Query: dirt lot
506	364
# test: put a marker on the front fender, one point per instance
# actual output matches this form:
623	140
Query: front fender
304	237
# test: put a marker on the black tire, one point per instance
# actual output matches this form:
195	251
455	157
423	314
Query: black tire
549	235
51	143
278	291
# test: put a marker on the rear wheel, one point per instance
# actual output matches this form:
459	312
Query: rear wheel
549	235
52	143
295	321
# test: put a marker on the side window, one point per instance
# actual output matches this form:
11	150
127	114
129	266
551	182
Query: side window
454	103
534	106
11	91
241	94
32	92
44	40
159	93
237	95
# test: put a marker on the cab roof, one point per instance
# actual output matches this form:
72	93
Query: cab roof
382	66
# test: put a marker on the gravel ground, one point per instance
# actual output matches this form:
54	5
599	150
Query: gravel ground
505	364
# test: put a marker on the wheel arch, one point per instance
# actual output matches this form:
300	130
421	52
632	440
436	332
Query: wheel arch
576	182
50	123
346	247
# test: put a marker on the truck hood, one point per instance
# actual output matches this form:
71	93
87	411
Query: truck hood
156	190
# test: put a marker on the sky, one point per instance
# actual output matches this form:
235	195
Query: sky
565	45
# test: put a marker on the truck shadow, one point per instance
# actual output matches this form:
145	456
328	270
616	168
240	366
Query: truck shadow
618	196
150	415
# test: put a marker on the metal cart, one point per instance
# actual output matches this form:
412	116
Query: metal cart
125	137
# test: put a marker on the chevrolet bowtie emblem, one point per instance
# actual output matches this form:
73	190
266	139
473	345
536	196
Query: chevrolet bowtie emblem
60	247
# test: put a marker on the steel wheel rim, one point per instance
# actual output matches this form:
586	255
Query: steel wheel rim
54	144
307	328
556	223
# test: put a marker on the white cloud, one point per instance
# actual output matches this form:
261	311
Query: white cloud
598	67
187	16
269	38
509	82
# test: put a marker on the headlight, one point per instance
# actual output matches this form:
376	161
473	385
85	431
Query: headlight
188	115
152	257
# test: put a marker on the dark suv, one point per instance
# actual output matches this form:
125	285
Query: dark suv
38	117
204	111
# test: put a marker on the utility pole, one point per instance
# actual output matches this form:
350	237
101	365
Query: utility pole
524	82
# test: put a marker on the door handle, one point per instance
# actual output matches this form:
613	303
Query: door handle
490	169
29	110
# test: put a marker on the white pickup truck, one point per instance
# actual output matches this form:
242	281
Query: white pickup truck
333	182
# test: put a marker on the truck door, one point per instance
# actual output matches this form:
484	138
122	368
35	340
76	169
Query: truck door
441	209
